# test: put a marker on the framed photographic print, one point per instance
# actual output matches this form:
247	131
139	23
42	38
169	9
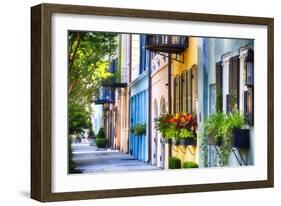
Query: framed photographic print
130	102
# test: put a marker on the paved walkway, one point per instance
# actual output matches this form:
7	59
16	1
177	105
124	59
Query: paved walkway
90	159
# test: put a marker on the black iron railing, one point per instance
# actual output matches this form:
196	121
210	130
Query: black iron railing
114	82
166	43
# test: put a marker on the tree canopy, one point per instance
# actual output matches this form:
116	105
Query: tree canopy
89	54
88	62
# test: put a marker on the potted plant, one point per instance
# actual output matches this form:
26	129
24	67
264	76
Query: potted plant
174	163
187	165
180	127
187	128
188	141
101	140
240	137
139	129
212	128
176	141
164	125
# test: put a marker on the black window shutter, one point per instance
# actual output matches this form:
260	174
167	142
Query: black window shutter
234	80
228	107
219	86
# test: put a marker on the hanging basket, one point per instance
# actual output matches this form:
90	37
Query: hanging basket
188	141
241	138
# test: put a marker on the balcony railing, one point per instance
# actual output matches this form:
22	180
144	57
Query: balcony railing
107	96
114	83
167	44
104	101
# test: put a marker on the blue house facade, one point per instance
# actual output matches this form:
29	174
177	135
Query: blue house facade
221	69
139	144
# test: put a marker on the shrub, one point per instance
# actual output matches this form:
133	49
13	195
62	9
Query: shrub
174	163
101	134
190	165
101	142
91	134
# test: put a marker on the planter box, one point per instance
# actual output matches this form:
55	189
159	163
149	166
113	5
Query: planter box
212	141
188	141
168	141
176	142
241	138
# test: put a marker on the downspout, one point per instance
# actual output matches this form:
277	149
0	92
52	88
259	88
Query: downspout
170	94
149	107
129	91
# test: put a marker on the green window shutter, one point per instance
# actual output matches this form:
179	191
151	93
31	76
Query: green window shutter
189	91
184	93
175	94
180	93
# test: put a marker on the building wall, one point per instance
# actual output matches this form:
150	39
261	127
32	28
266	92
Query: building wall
117	120
190	62
135	58
138	144
97	118
159	104
124	104
211	51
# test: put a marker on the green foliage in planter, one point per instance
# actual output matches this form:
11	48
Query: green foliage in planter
220	126
139	129
178	125
190	165
163	125
174	163
212	126
101	134
101	142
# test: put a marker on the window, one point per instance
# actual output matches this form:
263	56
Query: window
212	99
225	84
143	53
247	85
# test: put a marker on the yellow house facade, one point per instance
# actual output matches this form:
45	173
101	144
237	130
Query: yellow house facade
184	94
